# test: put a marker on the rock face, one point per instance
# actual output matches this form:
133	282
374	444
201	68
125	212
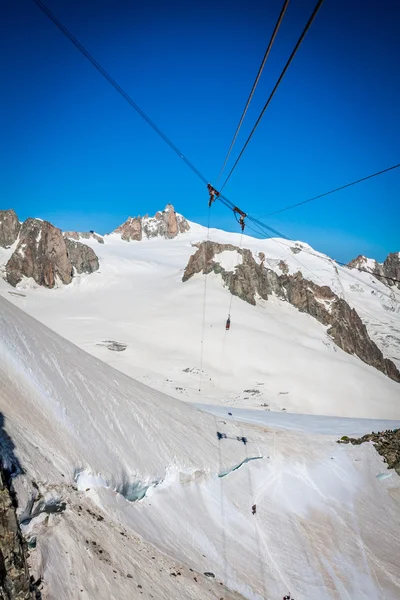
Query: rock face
387	272
82	257
9	227
131	230
391	268
251	279
387	443
86	235
43	254
166	223
15	581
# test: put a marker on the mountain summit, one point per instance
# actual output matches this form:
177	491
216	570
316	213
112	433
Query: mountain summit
166	223
388	272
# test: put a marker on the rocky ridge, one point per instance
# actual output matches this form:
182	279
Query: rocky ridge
387	272
9	227
252	278
167	223
387	444
85	235
43	254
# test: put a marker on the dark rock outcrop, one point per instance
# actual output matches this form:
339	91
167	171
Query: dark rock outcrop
387	443
251	279
85	235
387	272
82	257
166	223
15	583
43	254
9	227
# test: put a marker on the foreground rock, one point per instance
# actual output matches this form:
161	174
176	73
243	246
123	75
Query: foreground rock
251	279
15	581
85	235
167	224
387	272
43	254
387	443
9	227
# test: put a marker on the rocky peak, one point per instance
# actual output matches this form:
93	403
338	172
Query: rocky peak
361	261
251	279
85	235
9	227
130	230
391	269
387	272
167	223
43	254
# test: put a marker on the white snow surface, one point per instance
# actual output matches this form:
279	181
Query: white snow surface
229	259
327	524
273	355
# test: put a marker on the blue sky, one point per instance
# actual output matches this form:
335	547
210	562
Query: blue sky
74	152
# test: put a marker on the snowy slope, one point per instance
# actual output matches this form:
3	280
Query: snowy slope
88	436
76	422
283	357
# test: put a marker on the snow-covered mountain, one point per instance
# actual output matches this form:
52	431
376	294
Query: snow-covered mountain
124	491
166	223
284	356
388	272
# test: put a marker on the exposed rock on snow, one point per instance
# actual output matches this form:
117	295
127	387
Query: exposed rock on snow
86	235
131	229
387	443
387	272
43	254
166	223
250	279
9	227
391	268
112	345
363	263
283	267
82	257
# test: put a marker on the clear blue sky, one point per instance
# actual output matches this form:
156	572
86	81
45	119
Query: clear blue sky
74	152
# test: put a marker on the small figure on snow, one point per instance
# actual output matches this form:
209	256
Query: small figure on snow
228	323
254	509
